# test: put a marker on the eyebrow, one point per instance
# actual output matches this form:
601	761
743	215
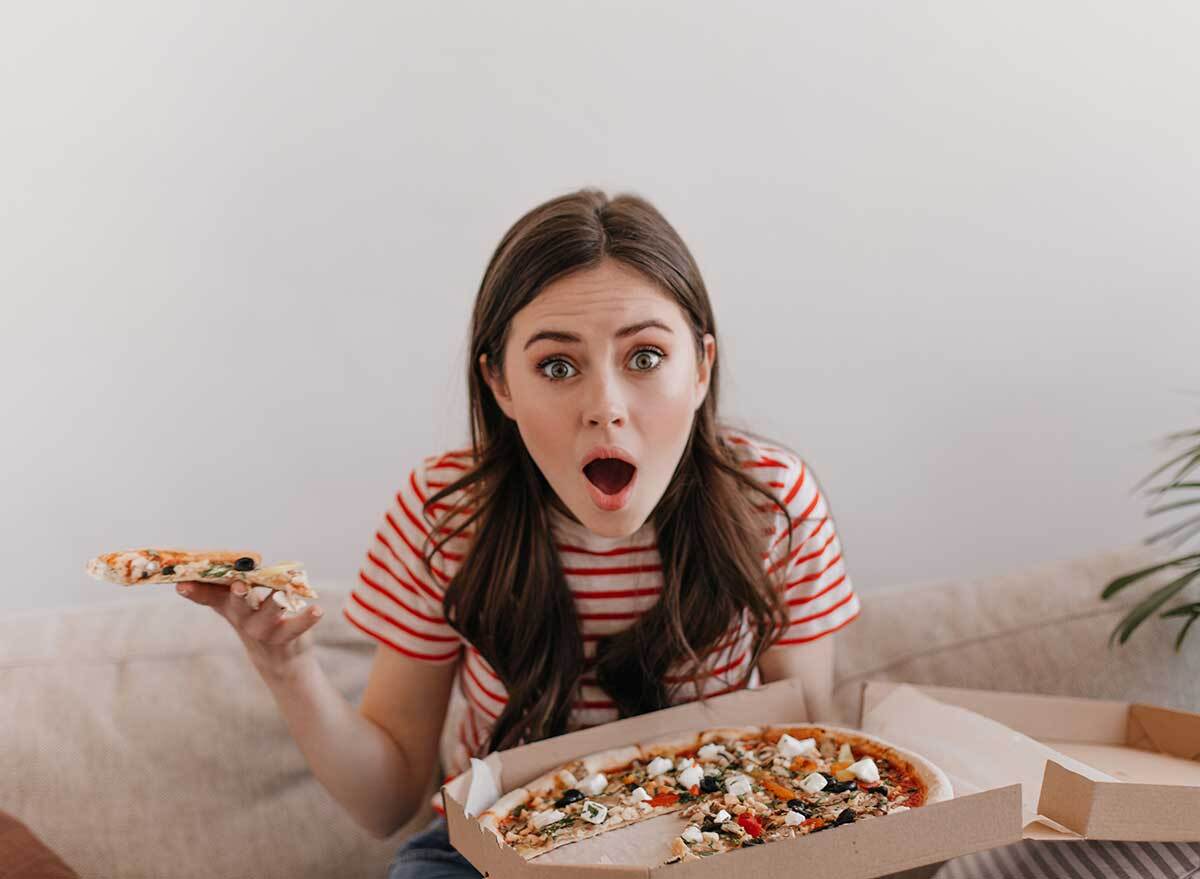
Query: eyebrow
563	336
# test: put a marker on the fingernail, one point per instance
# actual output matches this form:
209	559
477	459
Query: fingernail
317	612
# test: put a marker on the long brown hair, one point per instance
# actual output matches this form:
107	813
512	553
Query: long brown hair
509	598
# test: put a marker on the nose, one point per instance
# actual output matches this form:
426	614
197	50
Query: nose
605	406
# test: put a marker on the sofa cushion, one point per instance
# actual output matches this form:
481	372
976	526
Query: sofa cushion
1039	629
140	742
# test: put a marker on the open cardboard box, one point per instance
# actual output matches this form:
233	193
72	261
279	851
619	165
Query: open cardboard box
1152	753
861	850
1152	750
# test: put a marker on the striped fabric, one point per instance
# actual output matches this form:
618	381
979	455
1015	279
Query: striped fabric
1042	859
613	580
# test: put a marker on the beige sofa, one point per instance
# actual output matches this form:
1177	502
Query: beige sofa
137	741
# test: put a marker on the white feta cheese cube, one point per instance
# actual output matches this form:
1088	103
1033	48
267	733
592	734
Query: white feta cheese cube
814	782
683	763
739	785
639	794
658	766
721	817
691	776
594	812
791	819
710	751
845	755
791	747
865	770
594	784
568	779
691	833
541	819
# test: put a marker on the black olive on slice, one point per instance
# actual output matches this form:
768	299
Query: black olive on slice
846	816
797	806
754	840
709	784
244	564
168	570
571	795
880	789
710	827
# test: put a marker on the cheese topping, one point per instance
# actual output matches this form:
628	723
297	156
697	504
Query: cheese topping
594	784
790	747
865	770
691	833
594	812
793	818
691	776
639	794
541	819
814	782
658	766
739	785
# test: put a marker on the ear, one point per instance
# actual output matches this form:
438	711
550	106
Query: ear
499	390
705	369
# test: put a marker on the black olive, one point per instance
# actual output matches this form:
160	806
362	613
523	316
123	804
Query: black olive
754	840
244	564
829	778
168	570
846	816
710	827
571	795
797	806
878	790
709	784
632	786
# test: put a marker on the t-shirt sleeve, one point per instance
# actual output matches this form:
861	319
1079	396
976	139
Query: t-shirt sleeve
815	583
396	600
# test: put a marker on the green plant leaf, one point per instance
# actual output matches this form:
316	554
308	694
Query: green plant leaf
1173	485
1121	582
1174	506
1183	632
1182	610
1156	599
1193	451
1167	532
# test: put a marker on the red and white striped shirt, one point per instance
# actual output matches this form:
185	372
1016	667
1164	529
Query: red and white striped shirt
613	581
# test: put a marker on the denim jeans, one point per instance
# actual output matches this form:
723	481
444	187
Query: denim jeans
429	855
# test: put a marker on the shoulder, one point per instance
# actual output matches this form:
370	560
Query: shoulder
774	466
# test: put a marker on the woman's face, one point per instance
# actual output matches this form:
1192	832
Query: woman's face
609	387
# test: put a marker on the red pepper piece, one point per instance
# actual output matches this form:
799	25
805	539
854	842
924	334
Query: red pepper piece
663	800
750	824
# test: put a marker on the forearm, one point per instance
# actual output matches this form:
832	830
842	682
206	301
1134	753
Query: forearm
353	758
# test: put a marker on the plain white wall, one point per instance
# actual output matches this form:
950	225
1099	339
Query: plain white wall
951	248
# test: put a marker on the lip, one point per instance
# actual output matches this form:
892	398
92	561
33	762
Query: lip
608	452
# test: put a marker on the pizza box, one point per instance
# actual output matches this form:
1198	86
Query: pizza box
1089	768
862	850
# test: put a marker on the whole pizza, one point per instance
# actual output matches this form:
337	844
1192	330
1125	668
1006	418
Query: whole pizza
732	787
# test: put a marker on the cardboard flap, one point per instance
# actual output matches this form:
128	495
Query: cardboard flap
1119	810
1066	797
1164	730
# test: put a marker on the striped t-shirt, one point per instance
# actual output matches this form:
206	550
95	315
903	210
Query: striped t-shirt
613	581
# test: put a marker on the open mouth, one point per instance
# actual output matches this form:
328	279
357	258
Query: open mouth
610	475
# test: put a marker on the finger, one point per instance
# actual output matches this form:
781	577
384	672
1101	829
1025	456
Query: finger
212	594
289	626
273	624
